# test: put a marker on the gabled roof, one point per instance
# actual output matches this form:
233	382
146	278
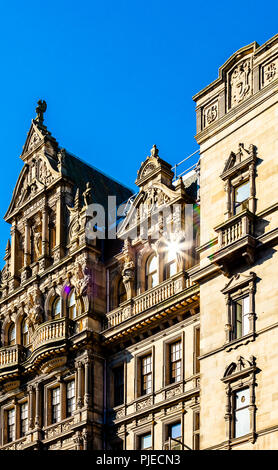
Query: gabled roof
80	172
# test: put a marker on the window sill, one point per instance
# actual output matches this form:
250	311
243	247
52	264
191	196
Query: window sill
236	343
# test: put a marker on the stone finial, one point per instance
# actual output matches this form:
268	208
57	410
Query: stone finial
40	110
154	151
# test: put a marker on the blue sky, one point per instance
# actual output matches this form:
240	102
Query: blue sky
118	76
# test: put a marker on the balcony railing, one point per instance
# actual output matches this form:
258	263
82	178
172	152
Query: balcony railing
148	299
236	228
235	238
11	355
49	332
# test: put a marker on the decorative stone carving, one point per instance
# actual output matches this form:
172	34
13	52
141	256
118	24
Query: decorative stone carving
144	404
270	72
81	280
87	195
210	114
34	309
240	83
128	271
40	110
37	234
173	392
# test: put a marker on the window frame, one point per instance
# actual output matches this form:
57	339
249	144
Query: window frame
67	382
240	287
238	376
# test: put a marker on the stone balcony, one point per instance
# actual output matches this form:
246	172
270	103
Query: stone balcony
49	334
11	356
147	300
235	240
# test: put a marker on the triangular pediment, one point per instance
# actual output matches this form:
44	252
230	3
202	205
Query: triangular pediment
33	179
34	137
241	157
146	203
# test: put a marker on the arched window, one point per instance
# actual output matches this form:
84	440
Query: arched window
170	260
72	305
121	292
56	308
24	332
11	335
151	272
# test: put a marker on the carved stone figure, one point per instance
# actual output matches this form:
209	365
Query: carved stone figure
240	83
40	110
34	309
37	239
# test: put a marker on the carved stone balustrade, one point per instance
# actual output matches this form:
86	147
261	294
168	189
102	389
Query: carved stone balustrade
148	299
50	332
11	356
235	240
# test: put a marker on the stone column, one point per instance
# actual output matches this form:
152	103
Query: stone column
45	226
79	385
30	407
14	264
88	393
38	397
26	244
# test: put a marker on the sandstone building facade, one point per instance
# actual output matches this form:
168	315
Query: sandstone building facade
164	337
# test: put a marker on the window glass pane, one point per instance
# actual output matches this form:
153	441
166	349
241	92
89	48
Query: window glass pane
72	306
242	422
12	334
70	397
242	416
151	273
146	441
242	192
153	264
175	430
57	308
242	398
